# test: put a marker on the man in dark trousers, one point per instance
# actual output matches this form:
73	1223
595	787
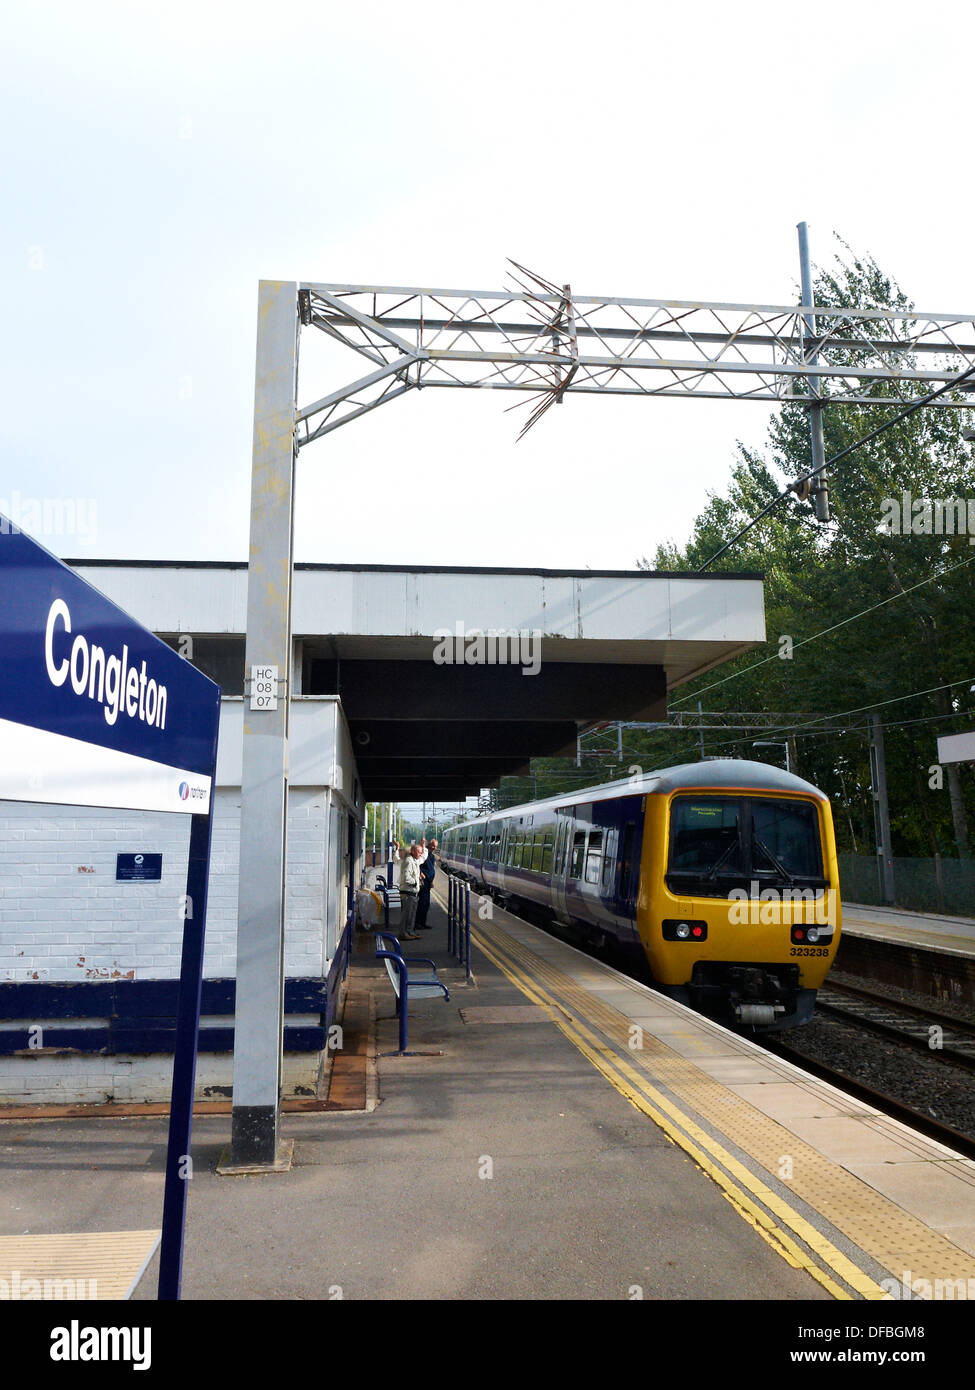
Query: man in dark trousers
427	871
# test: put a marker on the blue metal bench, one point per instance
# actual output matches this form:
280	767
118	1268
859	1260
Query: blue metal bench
405	985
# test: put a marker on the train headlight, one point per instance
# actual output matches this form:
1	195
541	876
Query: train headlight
682	929
823	935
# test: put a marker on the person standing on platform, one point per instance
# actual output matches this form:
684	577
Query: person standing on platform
409	889
428	870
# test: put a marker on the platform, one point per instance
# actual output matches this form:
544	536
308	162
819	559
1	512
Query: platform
955	935
564	1133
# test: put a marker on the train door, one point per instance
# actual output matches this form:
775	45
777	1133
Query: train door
630	845
560	859
491	852
592	869
503	853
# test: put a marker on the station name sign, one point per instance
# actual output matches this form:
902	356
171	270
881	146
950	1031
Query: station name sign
117	686
95	710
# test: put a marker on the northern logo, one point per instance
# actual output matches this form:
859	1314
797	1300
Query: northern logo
184	791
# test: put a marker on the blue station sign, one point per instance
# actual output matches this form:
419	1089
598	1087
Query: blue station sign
95	710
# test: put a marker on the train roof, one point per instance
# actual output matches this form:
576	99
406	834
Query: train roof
724	774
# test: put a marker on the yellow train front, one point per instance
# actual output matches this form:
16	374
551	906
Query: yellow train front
722	875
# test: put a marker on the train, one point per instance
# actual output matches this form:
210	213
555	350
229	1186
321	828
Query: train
720	877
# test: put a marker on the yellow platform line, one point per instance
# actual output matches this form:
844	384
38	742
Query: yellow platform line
699	1145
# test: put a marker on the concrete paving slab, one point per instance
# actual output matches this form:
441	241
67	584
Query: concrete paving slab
785	1101
842	1137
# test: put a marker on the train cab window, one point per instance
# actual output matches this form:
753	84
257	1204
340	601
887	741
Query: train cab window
704	835
578	854
785	836
717	840
594	855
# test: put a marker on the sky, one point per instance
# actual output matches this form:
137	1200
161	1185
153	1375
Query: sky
159	160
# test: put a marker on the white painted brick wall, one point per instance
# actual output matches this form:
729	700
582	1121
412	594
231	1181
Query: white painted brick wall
92	1080
58	923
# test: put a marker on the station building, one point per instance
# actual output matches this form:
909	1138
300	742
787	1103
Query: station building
408	683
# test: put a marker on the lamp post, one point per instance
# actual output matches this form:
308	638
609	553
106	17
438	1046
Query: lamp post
774	743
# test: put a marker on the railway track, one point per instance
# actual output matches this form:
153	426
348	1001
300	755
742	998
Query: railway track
923	1029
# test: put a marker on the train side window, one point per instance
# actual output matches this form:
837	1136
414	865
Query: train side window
537	853
578	854
594	856
548	844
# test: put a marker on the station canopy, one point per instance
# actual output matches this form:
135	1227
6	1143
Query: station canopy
451	678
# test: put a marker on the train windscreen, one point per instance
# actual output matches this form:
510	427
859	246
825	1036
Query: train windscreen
722	842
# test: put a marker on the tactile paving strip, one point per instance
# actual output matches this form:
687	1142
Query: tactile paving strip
893	1237
104	1264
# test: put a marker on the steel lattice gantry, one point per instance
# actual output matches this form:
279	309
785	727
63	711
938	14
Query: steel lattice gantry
555	343
545	341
